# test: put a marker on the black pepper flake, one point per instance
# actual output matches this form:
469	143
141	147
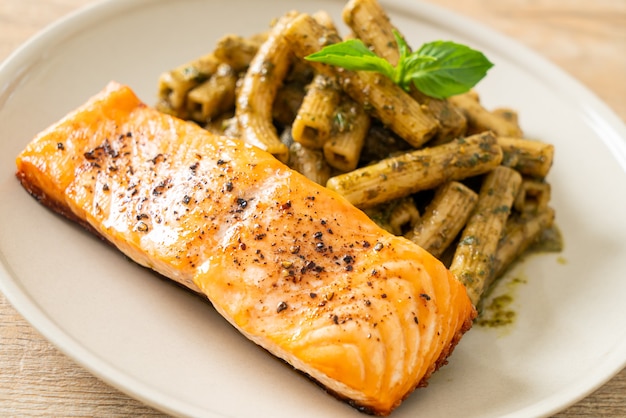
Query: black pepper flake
367	302
158	158
318	235
366	244
221	162
159	189
193	167
424	296
335	319
142	216
90	155
229	186
242	203
186	199
129	134
60	146
286	205
281	307
310	265
313	295
348	259
349	267
415	320
110	150
384	296
105	187
259	237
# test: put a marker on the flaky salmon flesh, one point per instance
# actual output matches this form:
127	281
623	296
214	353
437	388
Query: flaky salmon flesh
292	265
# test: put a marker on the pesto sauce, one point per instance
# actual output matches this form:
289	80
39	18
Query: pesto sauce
497	313
495	309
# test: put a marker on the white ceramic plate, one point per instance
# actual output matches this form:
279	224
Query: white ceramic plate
171	350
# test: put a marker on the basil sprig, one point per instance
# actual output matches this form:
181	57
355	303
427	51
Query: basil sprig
438	69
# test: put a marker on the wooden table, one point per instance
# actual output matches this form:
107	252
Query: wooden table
586	38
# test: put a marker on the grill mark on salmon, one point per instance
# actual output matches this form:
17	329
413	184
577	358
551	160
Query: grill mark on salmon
292	265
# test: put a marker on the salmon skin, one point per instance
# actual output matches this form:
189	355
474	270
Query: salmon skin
292	265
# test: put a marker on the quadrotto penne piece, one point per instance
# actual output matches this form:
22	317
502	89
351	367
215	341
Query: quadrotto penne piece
473	261
314	120
258	91
417	170
444	217
175	84
529	157
343	149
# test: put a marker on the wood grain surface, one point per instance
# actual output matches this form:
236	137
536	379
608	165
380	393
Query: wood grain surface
586	38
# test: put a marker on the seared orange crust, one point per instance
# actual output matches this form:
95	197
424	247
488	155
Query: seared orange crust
290	264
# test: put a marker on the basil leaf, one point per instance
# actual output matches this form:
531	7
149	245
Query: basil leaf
352	55
455	70
403	48
438	69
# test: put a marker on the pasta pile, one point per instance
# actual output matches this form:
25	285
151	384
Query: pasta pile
457	179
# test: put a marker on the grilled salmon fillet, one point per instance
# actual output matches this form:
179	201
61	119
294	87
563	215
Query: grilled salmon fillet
293	266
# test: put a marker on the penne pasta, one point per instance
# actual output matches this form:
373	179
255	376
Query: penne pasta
444	217
343	149
403	216
258	91
480	119
417	170
473	261
396	216
532	158
213	97
237	51
521	231
533	196
314	120
452	122
507	114
175	84
309	162
370	23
